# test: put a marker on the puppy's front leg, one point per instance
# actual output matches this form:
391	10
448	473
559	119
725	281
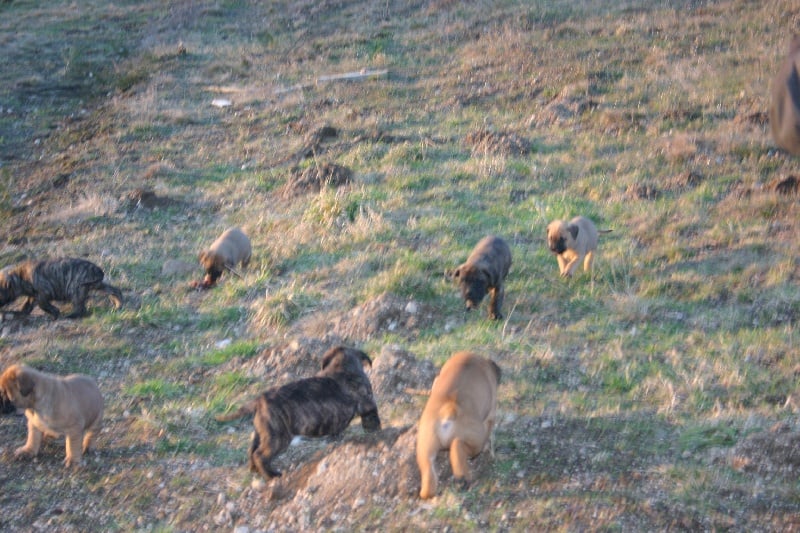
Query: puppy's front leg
27	307
33	443
562	264
47	307
496	302
569	268
74	450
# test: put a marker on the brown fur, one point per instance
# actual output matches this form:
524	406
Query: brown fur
313	407
458	417
573	242
59	280
71	406
485	271
784	110
230	248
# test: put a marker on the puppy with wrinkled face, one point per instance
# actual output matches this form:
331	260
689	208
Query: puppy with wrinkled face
230	248
485	272
784	109
573	242
61	280
313	407
458	417
54	406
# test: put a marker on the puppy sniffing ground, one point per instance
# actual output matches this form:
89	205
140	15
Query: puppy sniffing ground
231	248
485	271
459	416
321	405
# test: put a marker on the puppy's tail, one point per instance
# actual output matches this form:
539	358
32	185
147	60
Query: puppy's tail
247	409
445	427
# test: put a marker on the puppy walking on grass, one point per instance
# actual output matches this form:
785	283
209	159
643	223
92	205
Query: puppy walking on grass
458	417
60	280
312	407
54	406
573	242
485	271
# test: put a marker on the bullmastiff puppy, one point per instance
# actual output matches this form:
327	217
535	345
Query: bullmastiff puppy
60	280
485	271
54	406
458	417
312	407
230	248
784	110
573	242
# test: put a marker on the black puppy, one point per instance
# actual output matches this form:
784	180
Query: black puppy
313	407
485	271
61	280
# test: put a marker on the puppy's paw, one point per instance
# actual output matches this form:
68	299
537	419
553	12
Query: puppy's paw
462	483
23	451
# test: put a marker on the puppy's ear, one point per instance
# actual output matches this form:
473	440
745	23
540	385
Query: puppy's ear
573	229
25	383
497	371
329	355
365	360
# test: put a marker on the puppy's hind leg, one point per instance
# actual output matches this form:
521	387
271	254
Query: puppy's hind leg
458	461
114	294
587	261
74	450
79	302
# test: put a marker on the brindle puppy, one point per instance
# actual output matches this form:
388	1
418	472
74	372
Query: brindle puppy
485	271
313	407
61	280
784	109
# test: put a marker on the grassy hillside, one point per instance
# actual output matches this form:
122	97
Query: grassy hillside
659	392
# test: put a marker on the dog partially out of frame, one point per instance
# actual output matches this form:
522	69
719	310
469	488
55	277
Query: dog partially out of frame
784	109
231	248
458	417
313	407
60	280
484	271
71	406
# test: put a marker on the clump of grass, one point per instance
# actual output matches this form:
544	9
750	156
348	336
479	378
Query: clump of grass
278	310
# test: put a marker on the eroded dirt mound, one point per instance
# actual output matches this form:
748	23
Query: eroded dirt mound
315	177
146	199
396	371
295	359
573	101
385	314
503	143
776	451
